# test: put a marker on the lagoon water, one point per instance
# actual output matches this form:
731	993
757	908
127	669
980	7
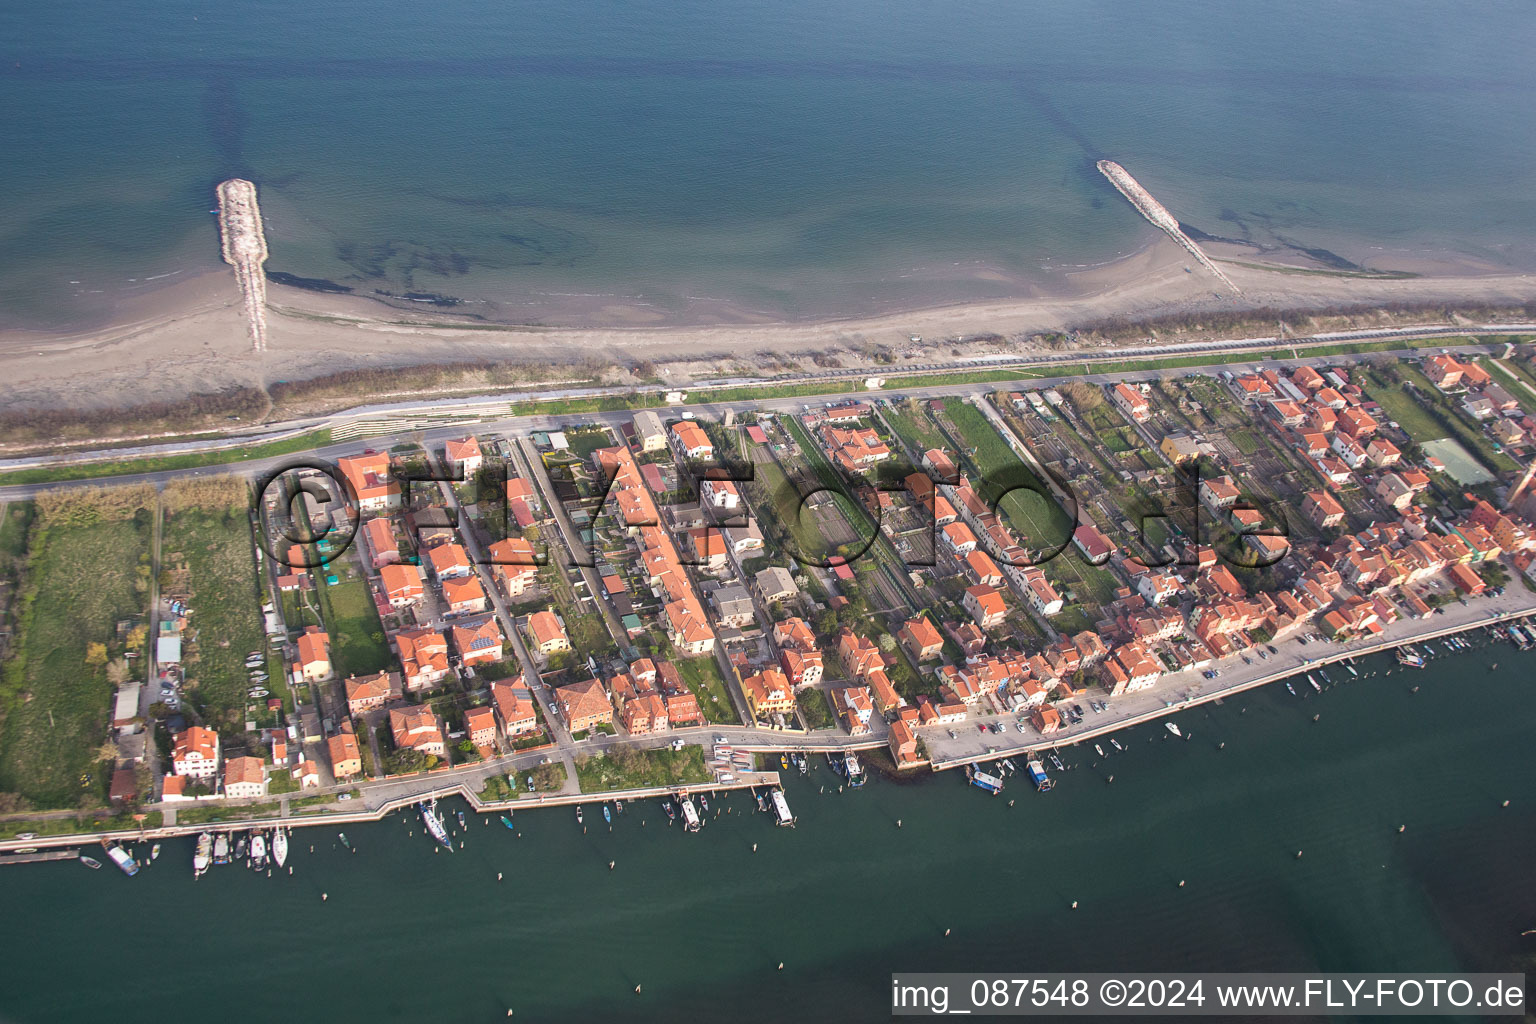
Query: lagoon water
845	899
795	159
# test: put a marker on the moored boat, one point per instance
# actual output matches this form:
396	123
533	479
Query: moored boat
280	847
690	814
258	850
221	848
781	815
1173	729
854	769
981	780
607	814
1037	775
435	827
507	822
90	862
203	855
119	856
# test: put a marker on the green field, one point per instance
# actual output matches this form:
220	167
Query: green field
80	581
626	767
357	637
702	674
816	708
226	610
1039	521
123	467
915	429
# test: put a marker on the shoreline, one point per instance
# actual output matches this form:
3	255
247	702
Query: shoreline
1512	605
191	336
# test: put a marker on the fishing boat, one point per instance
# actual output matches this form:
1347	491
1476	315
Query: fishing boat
1037	775
1291	688
258	851
1410	657
981	780
1173	729
221	848
203	856
607	815
343	837
1099	750
508	822
90	862
781	815
240	848
1056	760
1116	744
856	777
802	763
119	856
690	814
435	827
280	847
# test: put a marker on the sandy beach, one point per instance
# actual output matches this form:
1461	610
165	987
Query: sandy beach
190	338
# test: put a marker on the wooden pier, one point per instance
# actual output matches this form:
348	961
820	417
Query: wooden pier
40	856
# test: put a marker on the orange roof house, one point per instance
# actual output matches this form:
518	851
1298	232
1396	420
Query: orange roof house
547	632
985	605
382	548
478	642
314	654
423	657
583	705
401	584
463	595
346	759
480	724
920	638
417	728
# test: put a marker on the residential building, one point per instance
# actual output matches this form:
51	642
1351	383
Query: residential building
855	707
775	583
690	442
720	494
583	705
1042	596
369	477
1323	509
515	708
448	561
985	605
196	753
478	642
480	724
423	657
649	433
547	632
463	595
514	563
368	693
921	639
1090	540
903	743
1179	448
401	584
382	547
314	654
1132	402
245	777
1220	493
769	693
416	727
463	457
346	758
733	605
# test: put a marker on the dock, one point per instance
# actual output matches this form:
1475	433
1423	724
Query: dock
1158	214
245	249
40	856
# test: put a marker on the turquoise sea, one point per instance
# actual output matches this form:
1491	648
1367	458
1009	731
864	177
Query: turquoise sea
702	922
695	160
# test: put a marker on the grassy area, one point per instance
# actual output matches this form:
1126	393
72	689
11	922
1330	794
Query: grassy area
80	581
547	778
123	467
357	637
13	532
627	767
816	709
702	674
1443	409
218	812
1038	520
216	549
1406	411
913	426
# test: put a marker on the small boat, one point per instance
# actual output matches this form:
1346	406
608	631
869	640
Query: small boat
1116	744
221	848
1291	688
981	780
1099	750
119	856
691	821
507	822
618	807
1037	775
435	827
90	862
204	855
1173	729
259	851
666	805
1324	674
1314	683
762	804
343	837
855	770
704	803
781	815
280	847
578	814
1352	671
784	761
802	763
240	848
1409	657
154	852
607	815
461	819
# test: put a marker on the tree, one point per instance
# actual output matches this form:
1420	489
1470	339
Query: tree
136	637
107	752
96	654
117	671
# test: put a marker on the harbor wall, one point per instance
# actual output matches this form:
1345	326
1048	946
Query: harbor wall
1158	214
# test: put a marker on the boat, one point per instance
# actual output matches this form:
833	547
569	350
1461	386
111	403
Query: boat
690	814
154	852
90	862
781	815
240	848
508	822
666	805
1352	671
1326	678
607	815
343	837
801	763
1173	729
618	807
1099	750
1409	657
856	777
435	827
703	803
204	855
1116	744
1314	683
461	819
1037	775
280	847
259	851
221	848
762	802
981	780
119	856
784	761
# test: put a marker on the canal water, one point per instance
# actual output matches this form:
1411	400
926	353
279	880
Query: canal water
702	922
